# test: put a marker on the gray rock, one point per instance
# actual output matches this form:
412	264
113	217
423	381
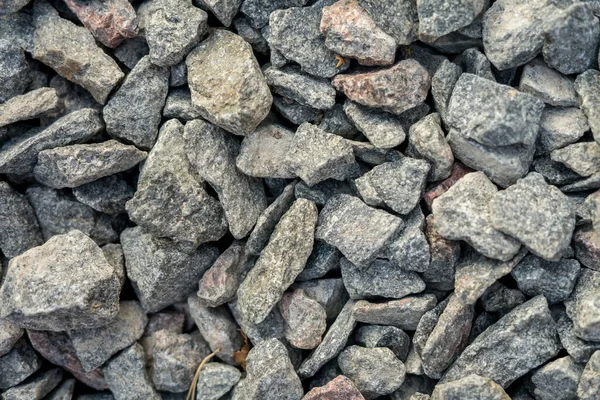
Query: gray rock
305	319
500	299
462	213
442	85
146	86
295	112
404	313
251	35
321	192
426	140
583	157
72	52
17	28
273	327
557	379
161	273
224	10
107	195
279	263
216	380
358	231
78	164
20	229
30	105
384	130
9	335
258	11
114	255
398	18
336	121
324	258
384	336
413	384
72	265
95	346
426	325
475	62
172	29
536	214
212	152
333	342
548	85
410	250
315	155
97	396
170	200
581	350
381	279
582	305
19	155
571	39
179	105
178	75
351	32
586	243
560	127
270	375
291	82
131	51
64	391
36	387
16	73
212	83
589	381
587	86
330	293
443	256
458	14
220	283
555	280
520	341
471	387
218	328
127	377
374	371
18	364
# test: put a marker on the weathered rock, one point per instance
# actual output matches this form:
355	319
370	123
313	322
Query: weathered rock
18	364
444	255
582	305
220	283
374	371
350	32
384	336
536	214
30	105
19	155
236	105
520	341
15	72
270	374
581	350
587	86
330	293
146	86
179	105
9	335
434	24
404	313
324	258
20	230
470	387
64	391
442	85
16	30
216	380
107	195
263	153
72	52
95	346
413	384
586	243
475	62
358	231
340	388
36	387
258	11
589	381
291	82
321	192
426	140
560	127
305	319
127	377
279	263
557	379
251	35
548	85
426	325
131	51
398	18
296	112
394	89
384	130
500	299
170	200
583	157
555	280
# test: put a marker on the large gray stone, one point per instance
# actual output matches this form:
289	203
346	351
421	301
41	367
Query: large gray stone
557	379
434	23
31	105
554	280
398	18
548	85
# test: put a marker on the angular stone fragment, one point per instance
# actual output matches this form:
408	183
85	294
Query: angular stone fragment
15	73
36	387
350	32
500	299
145	87
324	258
273	327
179	105
398	18
384	336
16	30
212	152
520	341
64	391
557	379
587	86
394	89
18	364
127	377
404	313
131	51
555	280
330	293
475	62
536	214
426	140
560	127
107	195
410	250
589	381
170	200
442	85
444	255
279	263
9	335
258	11
19	155
296	112
321	192
581	350
291	82
227	84
458	171
358	231
270	374
251	35
224	10
583	157
30	105
72	52
110	22
471	387
582	306
586	243
336	121
462	214
216	380
340	388
434	24
548	85
220	283
305	319
20	230
426	325
383	129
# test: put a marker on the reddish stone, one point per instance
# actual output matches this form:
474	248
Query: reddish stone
57	348
458	171
341	388
110	21
444	256
586	243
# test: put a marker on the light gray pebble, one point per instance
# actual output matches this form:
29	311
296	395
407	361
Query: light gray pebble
291	82
426	140
548	85
216	380
560	127
471	387
589	381
583	157
383	129
31	105
404	313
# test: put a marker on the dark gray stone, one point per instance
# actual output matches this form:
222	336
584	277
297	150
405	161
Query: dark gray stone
426	325
471	387
224	10
36	387
64	391
131	51
294	112
18	364
404	313
324	258
589	381
398	18
305	319
107	195
457	14
442	85
31	105
384	130
581	350
583	158
291	82
548	85
336	121
16	73
17	28
321	192
178	75
557	379
127	377
587	86
500	299
179	105
555	280
560	127
444	255
384	336
251	35
258	11
426	140
330	293
475	62
19	230
216	380
273	327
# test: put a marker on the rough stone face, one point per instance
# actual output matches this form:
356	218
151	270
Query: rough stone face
520	341
557	379
404	313
270	374
330	293
324	258
555	280
212	152
131	51
350	32
323	191
475	62
560	127
30	105
536	214
251	35
170	200
224	10
72	265
442	85
19	155
554	172
589	381
383	129
471	387
296	112
394	89
433	23
216	380
398	18
220	283
582	306
587	86
127	377
227	84
110	22
18	364
375	372
20	229
78	164
145	87
581	350
462	214
583	158
9	335
279	263
336	121
355	229
72	52
548	85
426	140
258	11
384	336
586	243
64	391
179	105
107	195
340	388
444	255
289	81
305	319
36	387
161	273
15	73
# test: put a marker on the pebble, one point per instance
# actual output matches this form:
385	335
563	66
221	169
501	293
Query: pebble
581	305
179	105
290	82
554	280
587	87
442	85
18	364
20	229
589	381
329	293
305	319
457	14
224	10
336	121
220	282
583	158
444	255
15	72
410	250
30	105
560	127
107	195
404	313
500	299
295	112
384	130
258	11
216	380
475	62
324	258
398	18
470	387
581	350
557	379
395	339
9	335
64	391
251	35
131	51
586	243
548	85
426	140
340	388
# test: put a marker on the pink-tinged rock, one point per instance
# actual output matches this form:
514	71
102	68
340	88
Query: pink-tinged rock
110	21
340	388
394	89
305	319
444	256
351	32
458	171
586	243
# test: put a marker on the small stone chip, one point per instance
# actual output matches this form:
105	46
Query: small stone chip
438	18
583	158
426	140
557	379
127	377
290	82
216	380
548	85
470	387
384	130
305	319
258	11
589	381
15	73
30	105
18	364
36	387
404	313
587	86
442	85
